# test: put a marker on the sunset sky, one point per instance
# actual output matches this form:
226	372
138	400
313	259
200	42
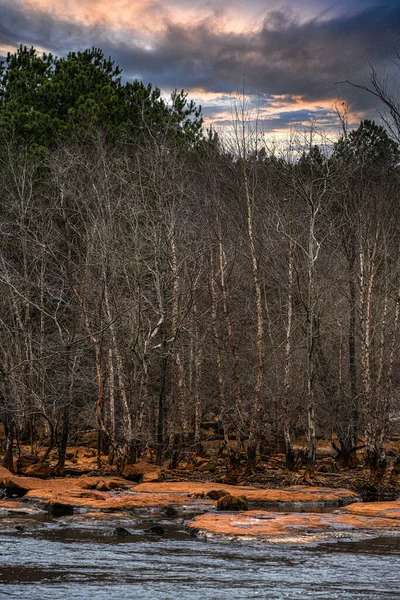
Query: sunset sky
287	56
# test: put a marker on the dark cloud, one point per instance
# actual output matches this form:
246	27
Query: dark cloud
289	119
285	56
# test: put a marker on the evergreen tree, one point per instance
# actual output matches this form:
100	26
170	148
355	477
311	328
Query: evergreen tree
45	100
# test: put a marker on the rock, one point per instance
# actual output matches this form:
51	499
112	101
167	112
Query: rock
92	494
306	528
142	472
114	484
88	483
378	493
232	503
102	487
121	532
59	509
169	512
193	532
156	530
40	470
23	462
216	494
4	473
387	510
152	476
15	486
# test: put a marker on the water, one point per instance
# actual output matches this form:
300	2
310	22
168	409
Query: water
68	561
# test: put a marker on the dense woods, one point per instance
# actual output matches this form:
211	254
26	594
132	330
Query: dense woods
156	280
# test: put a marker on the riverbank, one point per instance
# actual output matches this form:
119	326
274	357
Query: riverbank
285	514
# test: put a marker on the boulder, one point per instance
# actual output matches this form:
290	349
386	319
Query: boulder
114	484
232	503
102	487
142	472
88	483
156	530
23	462
169	512
15	485
40	470
216	494
4	473
59	509
151	476
121	532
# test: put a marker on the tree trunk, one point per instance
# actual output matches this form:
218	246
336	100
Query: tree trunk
8	460
254	431
289	454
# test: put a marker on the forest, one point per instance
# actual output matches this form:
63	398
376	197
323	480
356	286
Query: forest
162	285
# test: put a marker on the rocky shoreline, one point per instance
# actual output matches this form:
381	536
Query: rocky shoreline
285	515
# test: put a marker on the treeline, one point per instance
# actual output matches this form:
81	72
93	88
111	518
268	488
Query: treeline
152	280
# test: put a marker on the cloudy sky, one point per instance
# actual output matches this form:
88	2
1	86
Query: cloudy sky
287	56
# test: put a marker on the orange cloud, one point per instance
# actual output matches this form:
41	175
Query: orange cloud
147	16
150	17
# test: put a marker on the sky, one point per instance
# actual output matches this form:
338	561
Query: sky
288	59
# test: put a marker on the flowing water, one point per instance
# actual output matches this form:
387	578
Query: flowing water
68	560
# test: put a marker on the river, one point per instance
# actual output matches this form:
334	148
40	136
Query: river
69	560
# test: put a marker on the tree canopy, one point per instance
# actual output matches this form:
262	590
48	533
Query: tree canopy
369	145
45	99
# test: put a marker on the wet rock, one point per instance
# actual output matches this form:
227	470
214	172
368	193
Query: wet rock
121	532
59	509
197	495
216	494
377	493
232	503
40	470
306	527
169	512
142	472
193	531
15	486
156	530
